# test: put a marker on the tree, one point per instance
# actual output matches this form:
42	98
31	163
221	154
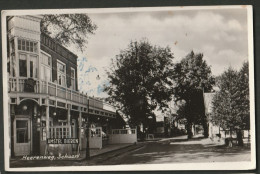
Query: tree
139	81
242	97
231	102
68	28
192	76
224	100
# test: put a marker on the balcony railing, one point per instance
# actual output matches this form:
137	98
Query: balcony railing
42	87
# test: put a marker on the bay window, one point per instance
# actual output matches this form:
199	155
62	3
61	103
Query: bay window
28	58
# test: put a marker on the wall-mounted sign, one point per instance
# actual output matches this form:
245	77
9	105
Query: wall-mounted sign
62	141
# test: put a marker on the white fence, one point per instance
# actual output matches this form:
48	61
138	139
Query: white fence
123	136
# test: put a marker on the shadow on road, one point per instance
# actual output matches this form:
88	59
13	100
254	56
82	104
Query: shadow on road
185	151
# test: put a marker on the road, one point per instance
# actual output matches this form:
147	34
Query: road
169	150
180	150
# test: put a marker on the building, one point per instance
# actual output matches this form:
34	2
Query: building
214	130
47	113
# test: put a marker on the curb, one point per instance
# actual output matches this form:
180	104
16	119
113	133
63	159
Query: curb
114	150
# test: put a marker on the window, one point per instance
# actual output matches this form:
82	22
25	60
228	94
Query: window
61	67
59	132
28	65
22	65
73	79
26	45
44	134
95	132
22	131
123	131
46	67
62	130
61	71
33	66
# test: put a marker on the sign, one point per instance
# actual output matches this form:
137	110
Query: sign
62	141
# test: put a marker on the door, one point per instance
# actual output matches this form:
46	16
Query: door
74	133
95	137
22	136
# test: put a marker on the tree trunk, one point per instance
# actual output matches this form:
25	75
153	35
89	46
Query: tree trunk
239	138
231	133
206	130
189	130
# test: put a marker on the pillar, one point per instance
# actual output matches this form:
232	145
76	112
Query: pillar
10	126
68	120
47	129
47	122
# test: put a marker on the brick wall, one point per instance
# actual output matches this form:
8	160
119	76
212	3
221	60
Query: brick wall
60	53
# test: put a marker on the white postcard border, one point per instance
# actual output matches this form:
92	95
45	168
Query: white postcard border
141	167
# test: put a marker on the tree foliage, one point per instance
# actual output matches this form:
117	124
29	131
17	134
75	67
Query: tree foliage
139	80
192	76
69	28
231	102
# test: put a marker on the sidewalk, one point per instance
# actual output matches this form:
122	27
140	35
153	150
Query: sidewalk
107	148
20	162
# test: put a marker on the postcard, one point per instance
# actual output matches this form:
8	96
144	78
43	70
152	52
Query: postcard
126	89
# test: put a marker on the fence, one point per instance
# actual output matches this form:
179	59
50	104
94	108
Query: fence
118	136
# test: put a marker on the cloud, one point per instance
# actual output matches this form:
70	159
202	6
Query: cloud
221	35
234	25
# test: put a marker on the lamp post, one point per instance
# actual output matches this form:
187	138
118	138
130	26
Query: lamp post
87	127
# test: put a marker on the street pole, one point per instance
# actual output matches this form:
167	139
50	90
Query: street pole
87	132
87	127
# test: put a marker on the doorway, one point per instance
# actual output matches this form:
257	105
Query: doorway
22	136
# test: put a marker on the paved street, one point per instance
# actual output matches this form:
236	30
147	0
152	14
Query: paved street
180	150
171	150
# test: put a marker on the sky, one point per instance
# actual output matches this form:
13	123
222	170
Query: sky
220	34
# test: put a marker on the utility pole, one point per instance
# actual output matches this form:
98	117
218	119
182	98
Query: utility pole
87	127
87	132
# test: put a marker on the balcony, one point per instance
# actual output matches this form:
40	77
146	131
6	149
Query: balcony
25	85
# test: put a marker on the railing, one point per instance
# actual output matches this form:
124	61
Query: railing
42	87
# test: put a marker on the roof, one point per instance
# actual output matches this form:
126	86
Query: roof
56	42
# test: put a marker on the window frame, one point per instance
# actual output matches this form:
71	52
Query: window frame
23	47
45	66
26	63
62	73
74	78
